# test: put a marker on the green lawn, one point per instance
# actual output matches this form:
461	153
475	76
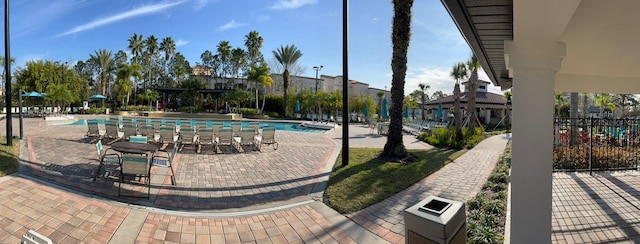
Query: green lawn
8	157
368	179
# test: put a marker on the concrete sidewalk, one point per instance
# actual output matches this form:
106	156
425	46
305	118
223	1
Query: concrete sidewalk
67	215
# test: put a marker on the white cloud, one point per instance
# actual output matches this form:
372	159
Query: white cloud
263	18
148	9
181	43
230	25
292	4
36	14
199	4
438	79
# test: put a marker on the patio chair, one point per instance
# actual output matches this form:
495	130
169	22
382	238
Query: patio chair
104	157
236	127
247	138
225	138
188	136
138	139
255	126
137	166
167	133
268	137
93	130
165	159
383	129
216	129
205	137
111	131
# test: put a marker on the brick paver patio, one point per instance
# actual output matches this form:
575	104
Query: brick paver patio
256	197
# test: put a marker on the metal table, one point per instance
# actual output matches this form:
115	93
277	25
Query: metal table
133	147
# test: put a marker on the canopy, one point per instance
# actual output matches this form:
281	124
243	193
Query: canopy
33	94
98	96
385	109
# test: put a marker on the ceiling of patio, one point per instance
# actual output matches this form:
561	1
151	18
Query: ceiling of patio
601	37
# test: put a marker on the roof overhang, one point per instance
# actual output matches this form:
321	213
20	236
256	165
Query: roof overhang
485	25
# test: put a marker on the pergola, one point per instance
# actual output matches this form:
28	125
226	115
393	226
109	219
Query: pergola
538	47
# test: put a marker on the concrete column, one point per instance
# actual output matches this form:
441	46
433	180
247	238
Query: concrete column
533	67
487	119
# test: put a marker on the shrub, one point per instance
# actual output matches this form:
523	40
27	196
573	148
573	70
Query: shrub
499	177
249	111
493	207
445	137
476	203
484	234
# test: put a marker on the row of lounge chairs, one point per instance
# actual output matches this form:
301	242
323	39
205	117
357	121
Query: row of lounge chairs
235	136
418	126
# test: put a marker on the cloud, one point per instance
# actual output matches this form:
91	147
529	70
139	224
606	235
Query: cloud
181	43
438	79
148	9
230	25
199	4
292	4
263	18
33	15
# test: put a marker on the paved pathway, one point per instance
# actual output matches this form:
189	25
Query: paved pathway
54	197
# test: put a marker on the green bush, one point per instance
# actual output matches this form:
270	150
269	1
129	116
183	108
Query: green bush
446	137
493	207
190	109
499	177
249	111
484	234
476	203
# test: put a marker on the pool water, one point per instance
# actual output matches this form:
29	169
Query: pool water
279	125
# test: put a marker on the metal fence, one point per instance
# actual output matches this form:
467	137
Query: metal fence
591	144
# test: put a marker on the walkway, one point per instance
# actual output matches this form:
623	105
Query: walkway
70	210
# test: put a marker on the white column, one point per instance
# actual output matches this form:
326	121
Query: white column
487	119
533	67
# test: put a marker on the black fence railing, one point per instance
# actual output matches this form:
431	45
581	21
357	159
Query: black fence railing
591	144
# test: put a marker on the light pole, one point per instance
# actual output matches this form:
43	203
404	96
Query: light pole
317	68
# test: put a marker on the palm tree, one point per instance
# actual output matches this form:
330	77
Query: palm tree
125	72
287	56
238	60
168	46
423	91
253	42
380	94
585	105
438	95
102	59
603	100
224	53
400	36
458	73
559	97
12	62
260	75
411	103
136	46
472	65
150	57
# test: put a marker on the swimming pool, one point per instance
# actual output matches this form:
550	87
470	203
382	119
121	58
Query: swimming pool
279	125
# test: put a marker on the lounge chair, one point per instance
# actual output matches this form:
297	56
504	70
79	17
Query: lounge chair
205	137
111	131
138	139
93	130
247	138
138	166
236	127
255	126
225	138
165	159
149	131
167	134
188	136
383	129
105	158
268	137
130	129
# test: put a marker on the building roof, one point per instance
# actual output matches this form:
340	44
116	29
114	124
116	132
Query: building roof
481	98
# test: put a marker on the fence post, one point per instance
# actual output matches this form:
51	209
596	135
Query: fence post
590	145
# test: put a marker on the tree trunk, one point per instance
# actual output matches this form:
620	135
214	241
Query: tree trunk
471	103
401	35
456	117
285	84
424	117
257	100
573	114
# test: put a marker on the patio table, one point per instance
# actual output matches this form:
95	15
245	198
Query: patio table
133	147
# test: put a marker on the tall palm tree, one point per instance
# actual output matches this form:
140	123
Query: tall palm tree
136	46
603	100
238	60
559	97
585	105
168	46
400	37
438	95
423	91
253	42
472	65
287	56
224	53
260	75
150	54
103	61
458	73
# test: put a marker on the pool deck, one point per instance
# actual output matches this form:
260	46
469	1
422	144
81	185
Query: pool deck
273	196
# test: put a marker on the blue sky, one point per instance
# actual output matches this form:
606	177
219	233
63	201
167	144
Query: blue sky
70	30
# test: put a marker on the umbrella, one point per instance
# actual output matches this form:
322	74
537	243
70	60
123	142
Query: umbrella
33	94
366	110
439	112
297	108
98	97
406	111
385	109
